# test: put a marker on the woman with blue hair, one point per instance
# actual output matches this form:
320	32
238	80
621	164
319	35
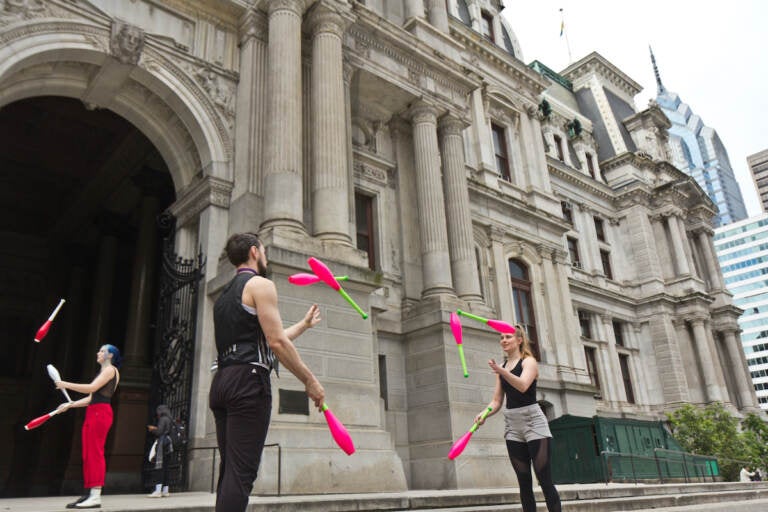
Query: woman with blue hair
98	420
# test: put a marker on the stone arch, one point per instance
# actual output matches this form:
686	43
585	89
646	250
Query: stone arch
158	97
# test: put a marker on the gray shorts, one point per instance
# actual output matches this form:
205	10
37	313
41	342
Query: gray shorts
523	424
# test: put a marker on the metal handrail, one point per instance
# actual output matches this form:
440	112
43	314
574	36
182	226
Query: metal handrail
605	456
214	449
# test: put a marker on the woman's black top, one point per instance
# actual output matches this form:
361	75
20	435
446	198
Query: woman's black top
514	397
103	395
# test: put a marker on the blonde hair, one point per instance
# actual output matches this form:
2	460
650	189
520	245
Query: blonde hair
525	346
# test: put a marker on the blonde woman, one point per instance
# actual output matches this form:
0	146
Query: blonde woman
526	429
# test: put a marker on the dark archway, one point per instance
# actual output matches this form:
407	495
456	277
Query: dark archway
77	188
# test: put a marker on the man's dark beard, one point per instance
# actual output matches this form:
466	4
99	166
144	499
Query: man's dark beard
263	269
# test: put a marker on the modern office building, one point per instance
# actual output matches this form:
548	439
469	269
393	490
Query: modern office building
742	250
697	150
758	167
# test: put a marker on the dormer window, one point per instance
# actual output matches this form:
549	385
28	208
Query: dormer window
486	25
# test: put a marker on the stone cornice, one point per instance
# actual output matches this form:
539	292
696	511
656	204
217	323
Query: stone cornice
560	170
197	196
594	62
498	57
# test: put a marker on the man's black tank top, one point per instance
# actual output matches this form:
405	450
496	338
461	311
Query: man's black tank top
103	395
239	337
515	398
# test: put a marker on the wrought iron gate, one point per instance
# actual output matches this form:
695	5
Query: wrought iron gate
174	332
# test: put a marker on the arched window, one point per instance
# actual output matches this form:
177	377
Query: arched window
522	299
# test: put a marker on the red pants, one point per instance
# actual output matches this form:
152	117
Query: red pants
98	419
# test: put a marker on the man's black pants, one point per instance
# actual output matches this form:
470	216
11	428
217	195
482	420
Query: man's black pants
241	401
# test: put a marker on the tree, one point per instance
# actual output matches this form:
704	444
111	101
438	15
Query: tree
712	430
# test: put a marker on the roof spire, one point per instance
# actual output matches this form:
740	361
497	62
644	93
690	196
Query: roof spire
659	85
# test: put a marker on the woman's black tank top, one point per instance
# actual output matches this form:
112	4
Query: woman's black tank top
514	397
103	395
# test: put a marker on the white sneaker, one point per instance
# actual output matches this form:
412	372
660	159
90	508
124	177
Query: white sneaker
155	494
90	502
165	491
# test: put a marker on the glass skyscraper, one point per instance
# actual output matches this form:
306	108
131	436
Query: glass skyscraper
697	150
742	250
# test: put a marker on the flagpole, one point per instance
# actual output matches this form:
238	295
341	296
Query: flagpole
564	33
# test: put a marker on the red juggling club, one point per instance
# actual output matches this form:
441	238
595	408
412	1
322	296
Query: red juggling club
41	419
339	432
43	330
325	274
306	279
456	328
459	445
502	327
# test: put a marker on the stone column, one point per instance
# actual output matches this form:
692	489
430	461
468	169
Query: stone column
102	299
435	258
739	369
438	14
283	148
713	269
458	214
142	286
711	384
614	368
686	242
681	261
349	73
500	278
330	201
414	9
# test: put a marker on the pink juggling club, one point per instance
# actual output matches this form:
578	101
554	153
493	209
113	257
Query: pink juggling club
41	419
456	328
324	273
502	327
43	330
459	445
339	432
307	279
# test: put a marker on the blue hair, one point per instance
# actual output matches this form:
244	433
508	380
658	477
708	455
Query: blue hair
117	359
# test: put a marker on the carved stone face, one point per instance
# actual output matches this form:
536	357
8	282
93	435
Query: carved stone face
126	42
130	38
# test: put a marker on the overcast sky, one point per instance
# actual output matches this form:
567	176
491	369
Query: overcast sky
713	54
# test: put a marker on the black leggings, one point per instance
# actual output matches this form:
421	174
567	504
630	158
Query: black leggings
521	455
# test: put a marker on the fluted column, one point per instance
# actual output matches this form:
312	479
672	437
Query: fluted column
414	9
614	368
681	261
703	350
739	369
436	263
438	14
283	148
330	187
458	214
705	242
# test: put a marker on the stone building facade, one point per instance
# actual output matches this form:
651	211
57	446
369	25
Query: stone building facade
409	146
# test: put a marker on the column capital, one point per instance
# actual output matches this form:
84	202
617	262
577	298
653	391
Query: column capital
252	24
451	124
208	191
326	19
348	70
423	112
296	7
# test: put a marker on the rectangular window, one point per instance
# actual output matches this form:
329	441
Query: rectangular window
590	164
605	258
625	376
567	211
364	227
573	251
486	25
478	262
618	332
383	381
559	148
591	356
585	322
600	228
500	150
